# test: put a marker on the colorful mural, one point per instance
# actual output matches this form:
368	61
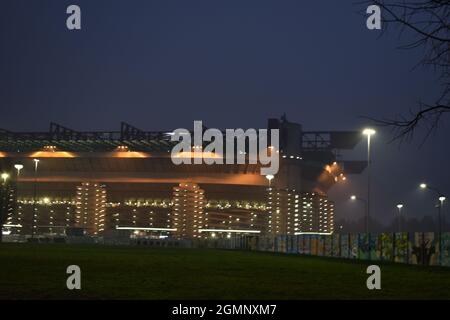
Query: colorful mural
413	248
400	246
336	246
363	246
354	241
328	246
345	249
445	249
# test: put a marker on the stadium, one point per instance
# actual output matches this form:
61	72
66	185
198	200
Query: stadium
123	184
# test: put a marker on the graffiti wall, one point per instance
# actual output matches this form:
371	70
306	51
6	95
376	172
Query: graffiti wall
429	249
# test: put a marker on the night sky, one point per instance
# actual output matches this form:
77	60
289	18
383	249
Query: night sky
160	65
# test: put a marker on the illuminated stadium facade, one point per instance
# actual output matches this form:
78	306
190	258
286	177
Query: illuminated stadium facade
105	183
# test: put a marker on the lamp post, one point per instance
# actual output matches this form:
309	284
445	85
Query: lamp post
399	207
366	207
441	198
36	163
364	201
369	133
3	201
440	205
18	167
5	177
270	178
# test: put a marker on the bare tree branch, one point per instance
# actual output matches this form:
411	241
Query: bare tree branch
429	22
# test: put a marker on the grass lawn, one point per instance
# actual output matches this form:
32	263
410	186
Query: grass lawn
34	271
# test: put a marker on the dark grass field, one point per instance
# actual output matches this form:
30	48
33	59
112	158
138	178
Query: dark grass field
39	272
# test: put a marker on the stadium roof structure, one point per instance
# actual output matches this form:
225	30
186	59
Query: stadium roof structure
135	139
131	149
67	139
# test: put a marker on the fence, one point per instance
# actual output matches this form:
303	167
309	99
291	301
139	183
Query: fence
419	248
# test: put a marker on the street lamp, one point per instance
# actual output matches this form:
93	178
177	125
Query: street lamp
18	167
3	207
434	189
33	227
4	176
369	133
270	177
440	205
36	162
355	198
399	207
366	206
441	199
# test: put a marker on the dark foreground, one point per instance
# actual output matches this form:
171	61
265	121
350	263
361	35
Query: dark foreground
39	272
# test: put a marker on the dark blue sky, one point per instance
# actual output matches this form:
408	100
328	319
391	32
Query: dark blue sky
163	64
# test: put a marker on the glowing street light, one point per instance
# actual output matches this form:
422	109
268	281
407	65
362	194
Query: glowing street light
369	132
4	176
440	205
270	178
18	167
355	198
33	227
36	162
399	207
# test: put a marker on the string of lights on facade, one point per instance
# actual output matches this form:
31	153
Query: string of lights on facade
113	183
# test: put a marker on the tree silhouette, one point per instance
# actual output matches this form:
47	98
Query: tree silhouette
428	21
423	253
